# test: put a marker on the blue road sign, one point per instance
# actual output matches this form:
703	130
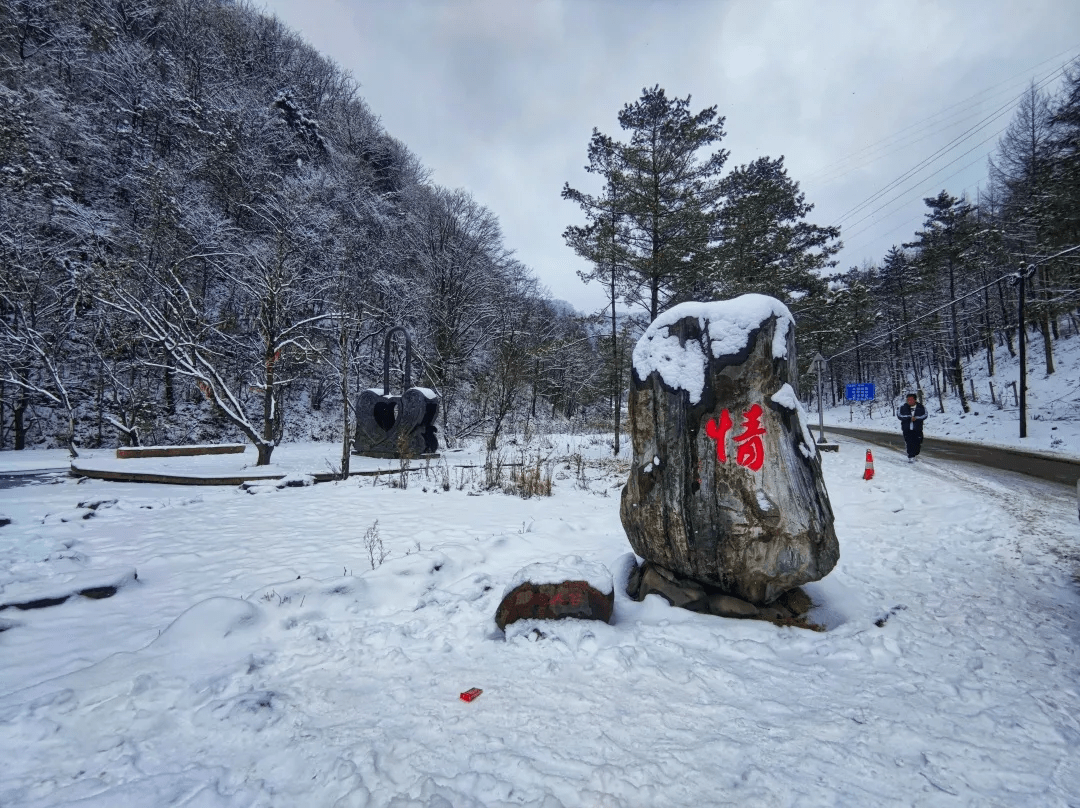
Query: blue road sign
859	392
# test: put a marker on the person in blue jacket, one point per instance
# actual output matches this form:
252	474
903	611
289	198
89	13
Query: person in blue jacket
911	415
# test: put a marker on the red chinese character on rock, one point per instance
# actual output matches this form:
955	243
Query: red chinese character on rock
718	432
751	452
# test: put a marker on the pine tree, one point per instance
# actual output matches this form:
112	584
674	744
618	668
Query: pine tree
765	244
901	280
943	245
602	242
670	195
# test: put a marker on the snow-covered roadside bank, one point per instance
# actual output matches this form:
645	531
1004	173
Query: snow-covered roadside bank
1053	405
221	678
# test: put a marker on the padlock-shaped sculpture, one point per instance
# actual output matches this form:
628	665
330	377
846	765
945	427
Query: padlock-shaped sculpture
396	426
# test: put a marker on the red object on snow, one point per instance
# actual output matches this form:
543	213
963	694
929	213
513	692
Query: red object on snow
471	694
869	473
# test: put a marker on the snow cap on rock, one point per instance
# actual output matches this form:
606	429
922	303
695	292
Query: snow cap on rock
568	568
786	398
728	323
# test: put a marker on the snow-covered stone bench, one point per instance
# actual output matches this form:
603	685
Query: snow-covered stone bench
180	451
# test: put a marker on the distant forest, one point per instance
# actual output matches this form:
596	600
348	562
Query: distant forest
205	234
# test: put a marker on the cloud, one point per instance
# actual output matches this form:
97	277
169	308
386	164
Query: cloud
501	96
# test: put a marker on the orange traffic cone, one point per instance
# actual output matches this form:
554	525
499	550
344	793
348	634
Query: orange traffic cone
869	473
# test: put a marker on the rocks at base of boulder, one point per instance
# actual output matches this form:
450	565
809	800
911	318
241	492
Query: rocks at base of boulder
554	601
796	601
728	606
652	579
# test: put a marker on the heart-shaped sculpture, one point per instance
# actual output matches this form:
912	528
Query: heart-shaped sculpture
396	426
390	426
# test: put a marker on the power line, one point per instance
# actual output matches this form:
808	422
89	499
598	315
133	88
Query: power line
944	179
967	134
904	143
967	103
878	339
908	222
869	227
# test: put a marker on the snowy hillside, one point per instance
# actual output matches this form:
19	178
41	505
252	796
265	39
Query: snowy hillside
1053	404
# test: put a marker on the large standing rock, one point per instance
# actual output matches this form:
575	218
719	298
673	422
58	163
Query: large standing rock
725	486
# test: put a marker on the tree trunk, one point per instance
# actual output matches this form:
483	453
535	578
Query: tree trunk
444	411
1005	320
1048	345
858	360
268	398
910	341
536	379
279	414
100	407
265	450
346	432
958	368
616	366
71	433
915	369
18	413
934	378
170	396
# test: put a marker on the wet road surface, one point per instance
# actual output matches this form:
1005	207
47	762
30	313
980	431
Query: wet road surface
1034	464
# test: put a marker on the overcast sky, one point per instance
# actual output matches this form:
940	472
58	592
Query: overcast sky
500	96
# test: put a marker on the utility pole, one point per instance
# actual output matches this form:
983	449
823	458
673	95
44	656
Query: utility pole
1018	280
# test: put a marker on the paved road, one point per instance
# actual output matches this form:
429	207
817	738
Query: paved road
1034	464
17	479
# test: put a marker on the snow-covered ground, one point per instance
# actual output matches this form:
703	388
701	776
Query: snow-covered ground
35	460
289	458
261	658
1053	404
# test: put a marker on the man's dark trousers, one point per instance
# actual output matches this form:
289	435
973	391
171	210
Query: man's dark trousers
913	440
